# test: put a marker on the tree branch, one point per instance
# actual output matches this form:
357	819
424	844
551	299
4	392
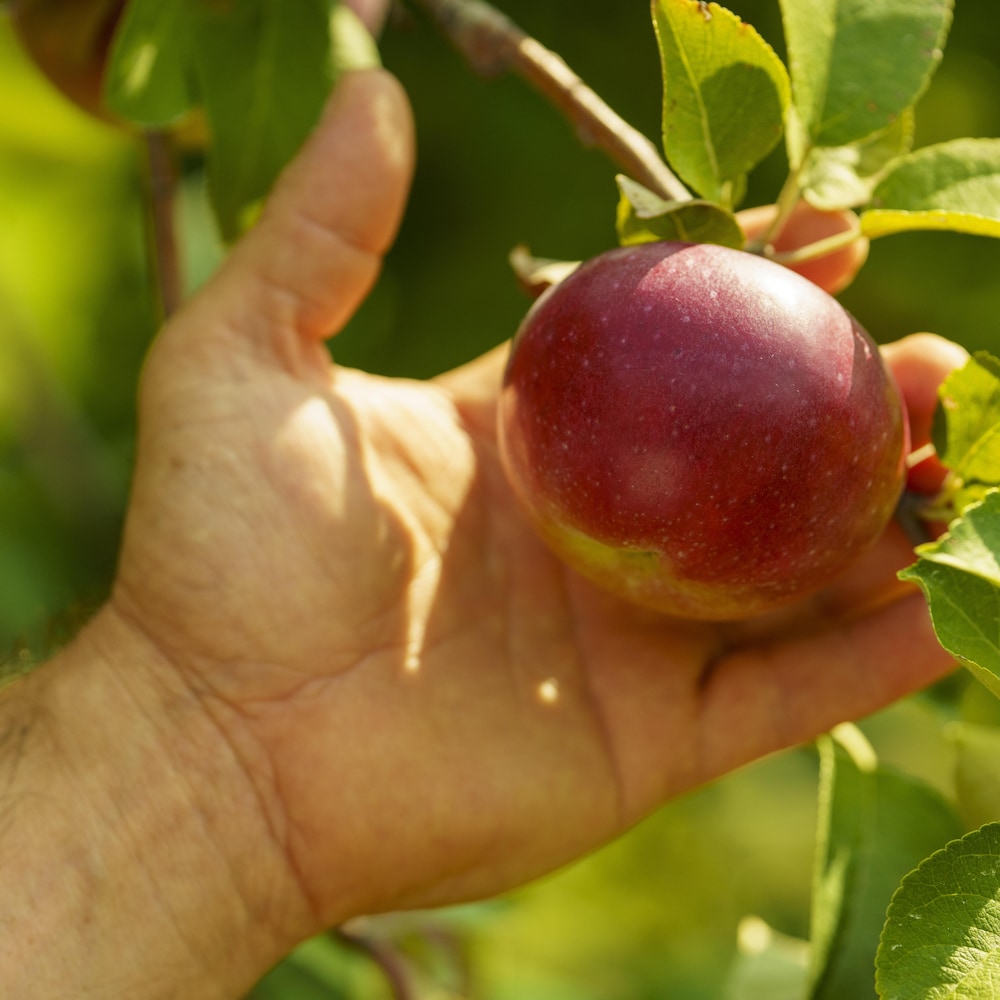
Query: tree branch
162	181
492	43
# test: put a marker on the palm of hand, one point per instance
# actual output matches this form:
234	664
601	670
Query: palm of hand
359	602
358	599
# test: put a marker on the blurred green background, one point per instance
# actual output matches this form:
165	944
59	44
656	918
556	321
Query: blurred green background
654	915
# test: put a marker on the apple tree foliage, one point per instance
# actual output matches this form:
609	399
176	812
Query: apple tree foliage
904	906
260	71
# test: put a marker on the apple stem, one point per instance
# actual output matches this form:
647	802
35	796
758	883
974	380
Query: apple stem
813	250
162	191
787	199
491	43
921	455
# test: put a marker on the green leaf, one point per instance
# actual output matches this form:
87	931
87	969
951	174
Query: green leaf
966	431
351	43
952	185
261	69
644	217
960	577
885	222
858	64
264	69
288	980
845	176
724	95
942	933
146	80
977	771
875	825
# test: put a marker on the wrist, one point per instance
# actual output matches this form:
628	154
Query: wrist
146	863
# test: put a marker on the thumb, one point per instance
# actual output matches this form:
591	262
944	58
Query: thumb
317	249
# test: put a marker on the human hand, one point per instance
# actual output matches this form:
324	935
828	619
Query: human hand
329	567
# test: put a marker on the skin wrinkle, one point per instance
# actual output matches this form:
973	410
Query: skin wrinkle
279	825
303	316
274	816
724	667
198	354
13	742
182	807
780	722
623	816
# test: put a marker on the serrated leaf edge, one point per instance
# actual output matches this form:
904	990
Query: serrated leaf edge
893	901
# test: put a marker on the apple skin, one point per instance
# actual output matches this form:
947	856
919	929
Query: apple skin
699	430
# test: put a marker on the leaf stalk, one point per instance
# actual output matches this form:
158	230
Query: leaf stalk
813	250
787	199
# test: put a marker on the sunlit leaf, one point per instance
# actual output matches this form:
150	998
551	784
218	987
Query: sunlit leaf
857	64
960	576
724	95
942	931
966	430
886	222
953	185
838	177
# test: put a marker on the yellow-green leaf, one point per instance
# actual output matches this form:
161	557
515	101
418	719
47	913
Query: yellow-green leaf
952	185
886	222
966	432
725	92
960	577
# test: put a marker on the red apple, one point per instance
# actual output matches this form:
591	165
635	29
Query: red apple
700	430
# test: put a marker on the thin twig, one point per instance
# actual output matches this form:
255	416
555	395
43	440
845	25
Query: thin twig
492	43
162	180
390	962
